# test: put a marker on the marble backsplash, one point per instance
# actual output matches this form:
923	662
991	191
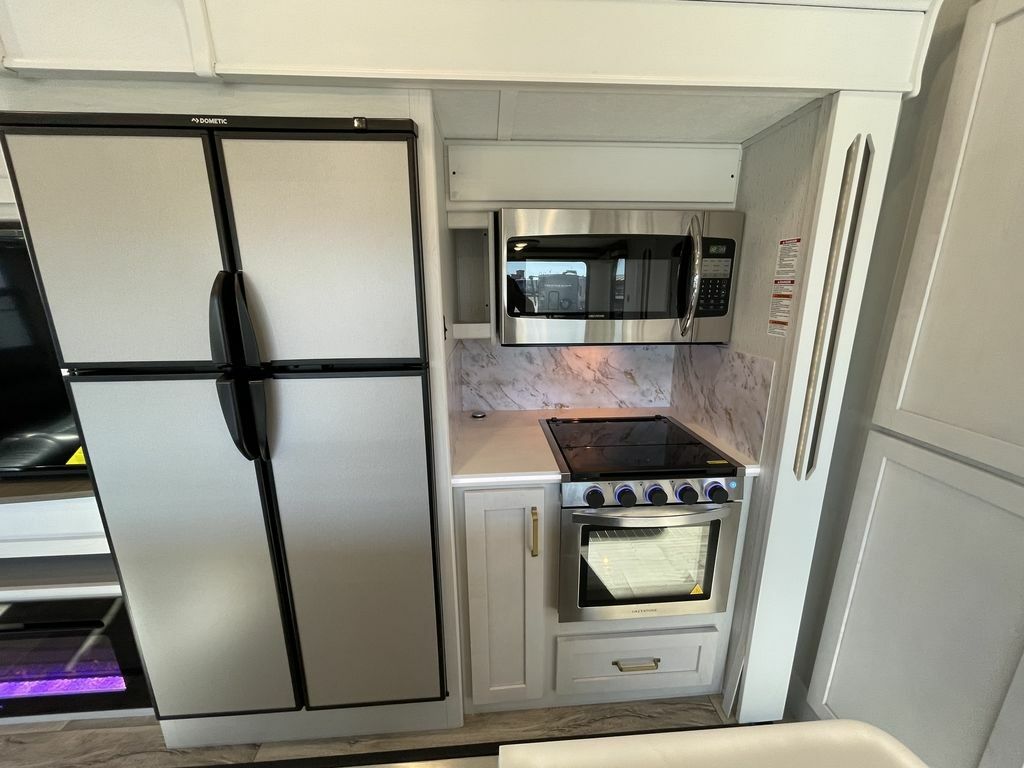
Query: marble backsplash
724	391
453	377
496	378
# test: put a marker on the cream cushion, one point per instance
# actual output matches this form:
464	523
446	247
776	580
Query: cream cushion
821	744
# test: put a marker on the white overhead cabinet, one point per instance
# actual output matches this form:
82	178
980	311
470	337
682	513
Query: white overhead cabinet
925	627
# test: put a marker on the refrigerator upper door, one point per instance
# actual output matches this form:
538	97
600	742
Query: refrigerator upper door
349	457
185	518
125	238
327	239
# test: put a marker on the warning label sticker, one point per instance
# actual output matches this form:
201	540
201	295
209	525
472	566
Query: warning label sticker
780	309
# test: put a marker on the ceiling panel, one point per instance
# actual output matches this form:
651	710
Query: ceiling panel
553	115
467	114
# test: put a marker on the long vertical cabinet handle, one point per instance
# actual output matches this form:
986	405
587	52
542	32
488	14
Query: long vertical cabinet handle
828	315
696	262
535	528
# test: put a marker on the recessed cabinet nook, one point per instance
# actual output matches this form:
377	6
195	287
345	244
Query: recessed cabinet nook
335	186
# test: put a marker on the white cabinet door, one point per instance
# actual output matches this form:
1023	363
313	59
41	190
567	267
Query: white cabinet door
954	376
504	571
925	628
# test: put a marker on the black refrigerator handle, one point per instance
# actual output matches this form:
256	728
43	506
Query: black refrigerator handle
250	343
258	395
234	416
221	296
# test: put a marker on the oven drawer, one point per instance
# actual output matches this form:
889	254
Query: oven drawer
636	661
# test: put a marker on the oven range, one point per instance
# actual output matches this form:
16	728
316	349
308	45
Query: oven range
649	521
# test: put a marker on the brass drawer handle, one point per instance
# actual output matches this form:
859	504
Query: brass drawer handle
535	545
637	665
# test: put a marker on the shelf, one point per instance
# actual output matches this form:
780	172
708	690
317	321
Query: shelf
57	578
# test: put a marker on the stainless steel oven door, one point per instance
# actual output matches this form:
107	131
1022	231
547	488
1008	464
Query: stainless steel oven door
571	276
646	561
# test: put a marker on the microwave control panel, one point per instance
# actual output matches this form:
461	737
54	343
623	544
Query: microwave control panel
715	277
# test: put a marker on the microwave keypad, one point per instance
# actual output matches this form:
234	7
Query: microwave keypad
713	297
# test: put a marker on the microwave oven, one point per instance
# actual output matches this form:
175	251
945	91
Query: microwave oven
568	276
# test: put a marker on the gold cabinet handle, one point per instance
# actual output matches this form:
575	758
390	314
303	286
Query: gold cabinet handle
637	665
535	544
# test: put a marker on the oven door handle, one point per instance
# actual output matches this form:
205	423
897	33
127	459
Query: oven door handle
633	520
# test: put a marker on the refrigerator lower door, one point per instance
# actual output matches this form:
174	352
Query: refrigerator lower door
186	522
350	463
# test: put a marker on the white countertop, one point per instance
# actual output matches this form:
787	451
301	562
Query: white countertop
509	447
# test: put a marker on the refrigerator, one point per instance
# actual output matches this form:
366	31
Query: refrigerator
238	305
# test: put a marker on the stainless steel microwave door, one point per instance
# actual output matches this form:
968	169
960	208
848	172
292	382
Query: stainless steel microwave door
125	237
186	522
326	242
350	464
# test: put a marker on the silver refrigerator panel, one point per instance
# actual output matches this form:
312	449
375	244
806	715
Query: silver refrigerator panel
324	231
125	238
350	466
183	510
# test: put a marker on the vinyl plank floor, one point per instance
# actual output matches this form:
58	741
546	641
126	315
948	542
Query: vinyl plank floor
518	725
138	743
136	747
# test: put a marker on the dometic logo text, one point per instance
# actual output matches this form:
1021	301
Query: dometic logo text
210	120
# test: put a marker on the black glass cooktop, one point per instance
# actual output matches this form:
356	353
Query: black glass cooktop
634	448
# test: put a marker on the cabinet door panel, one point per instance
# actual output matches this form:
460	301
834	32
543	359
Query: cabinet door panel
326	240
350	466
125	238
505	583
925	628
954	377
183	510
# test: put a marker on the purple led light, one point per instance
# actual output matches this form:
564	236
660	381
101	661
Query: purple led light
24	689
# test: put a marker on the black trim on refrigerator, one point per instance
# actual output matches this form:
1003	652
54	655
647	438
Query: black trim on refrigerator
417	248
285	595
206	122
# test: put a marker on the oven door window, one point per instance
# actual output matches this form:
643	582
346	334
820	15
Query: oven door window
626	566
598	277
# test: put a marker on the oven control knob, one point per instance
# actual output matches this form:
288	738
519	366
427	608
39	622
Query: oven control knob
716	492
656	495
594	497
625	495
687	494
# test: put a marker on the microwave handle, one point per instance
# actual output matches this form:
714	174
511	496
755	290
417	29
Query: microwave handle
610	519
697	260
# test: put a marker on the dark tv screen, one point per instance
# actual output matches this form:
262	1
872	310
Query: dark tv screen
37	429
